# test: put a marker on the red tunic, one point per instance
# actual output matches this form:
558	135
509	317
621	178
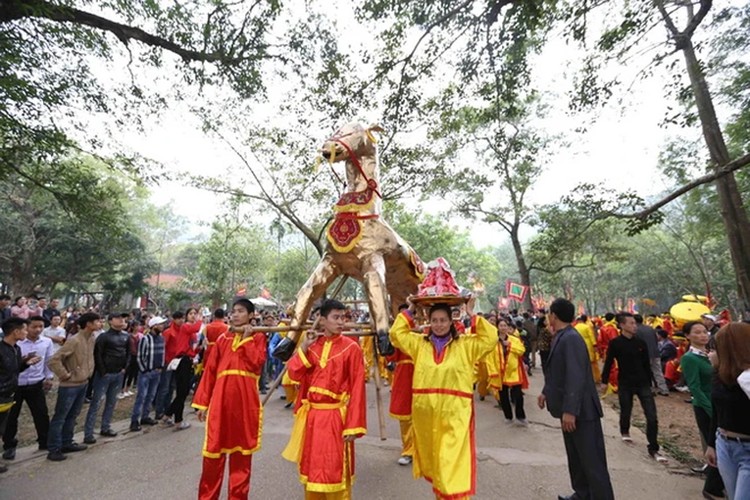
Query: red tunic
332	395
229	391
214	330
401	392
607	332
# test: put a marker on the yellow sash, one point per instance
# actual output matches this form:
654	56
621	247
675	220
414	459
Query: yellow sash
6	406
293	450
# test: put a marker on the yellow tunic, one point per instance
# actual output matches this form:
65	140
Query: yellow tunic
590	338
442	404
507	368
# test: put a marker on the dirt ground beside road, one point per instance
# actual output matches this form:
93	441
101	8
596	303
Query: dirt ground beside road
27	432
678	432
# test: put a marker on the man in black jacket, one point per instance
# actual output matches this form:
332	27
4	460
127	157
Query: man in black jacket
110	360
11	364
633	379
570	395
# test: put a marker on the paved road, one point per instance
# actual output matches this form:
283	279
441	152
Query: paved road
513	463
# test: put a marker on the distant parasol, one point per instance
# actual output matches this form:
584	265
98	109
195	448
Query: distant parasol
685	312
691	297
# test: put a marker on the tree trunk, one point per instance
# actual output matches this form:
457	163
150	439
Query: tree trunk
523	268
736	222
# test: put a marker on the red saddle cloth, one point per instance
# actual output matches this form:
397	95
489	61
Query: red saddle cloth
344	232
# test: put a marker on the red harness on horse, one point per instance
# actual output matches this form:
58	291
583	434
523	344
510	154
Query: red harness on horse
346	229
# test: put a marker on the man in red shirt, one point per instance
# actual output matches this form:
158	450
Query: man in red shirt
166	383
183	345
607	332
214	330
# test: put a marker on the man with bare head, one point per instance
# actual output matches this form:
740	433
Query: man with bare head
33	383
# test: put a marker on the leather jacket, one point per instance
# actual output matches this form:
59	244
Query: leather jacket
111	352
11	365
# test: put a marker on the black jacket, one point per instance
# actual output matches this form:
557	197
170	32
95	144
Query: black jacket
111	352
11	365
633	363
568	384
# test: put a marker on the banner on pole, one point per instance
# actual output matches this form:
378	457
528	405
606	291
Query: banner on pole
515	291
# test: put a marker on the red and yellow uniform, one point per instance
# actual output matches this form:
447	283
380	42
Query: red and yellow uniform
484	378
290	387
607	332
505	368
494	364
331	407
228	392
587	332
368	351
443	406
214	330
667	326
401	397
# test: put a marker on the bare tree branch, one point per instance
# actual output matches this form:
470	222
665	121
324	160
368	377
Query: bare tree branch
730	167
698	18
41	9
561	267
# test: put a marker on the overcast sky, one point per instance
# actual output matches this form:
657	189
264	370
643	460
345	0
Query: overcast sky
620	148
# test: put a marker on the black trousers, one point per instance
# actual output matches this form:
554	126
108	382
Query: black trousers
131	373
183	376
714	484
512	394
34	396
587	461
646	397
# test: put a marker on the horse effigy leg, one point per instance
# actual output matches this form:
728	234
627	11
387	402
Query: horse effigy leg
315	286
373	271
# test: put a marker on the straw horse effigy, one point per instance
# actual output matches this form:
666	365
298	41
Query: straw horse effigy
360	243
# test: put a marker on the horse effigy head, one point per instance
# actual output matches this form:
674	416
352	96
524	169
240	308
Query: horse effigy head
351	139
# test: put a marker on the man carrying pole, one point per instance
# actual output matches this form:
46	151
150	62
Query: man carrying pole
331	412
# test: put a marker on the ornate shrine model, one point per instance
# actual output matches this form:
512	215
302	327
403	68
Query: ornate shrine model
360	243
439	286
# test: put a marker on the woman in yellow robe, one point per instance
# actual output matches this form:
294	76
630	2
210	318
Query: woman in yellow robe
442	397
511	371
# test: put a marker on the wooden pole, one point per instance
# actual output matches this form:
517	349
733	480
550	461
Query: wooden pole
378	395
306	326
277	381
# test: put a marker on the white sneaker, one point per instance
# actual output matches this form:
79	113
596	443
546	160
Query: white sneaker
404	460
121	396
128	394
626	438
659	458
183	425
522	422
168	421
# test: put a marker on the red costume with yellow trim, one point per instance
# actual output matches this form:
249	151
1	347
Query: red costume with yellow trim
401	397
607	333
214	330
331	406
228	392
442	404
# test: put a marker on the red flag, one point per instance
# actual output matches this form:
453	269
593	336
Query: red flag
516	291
